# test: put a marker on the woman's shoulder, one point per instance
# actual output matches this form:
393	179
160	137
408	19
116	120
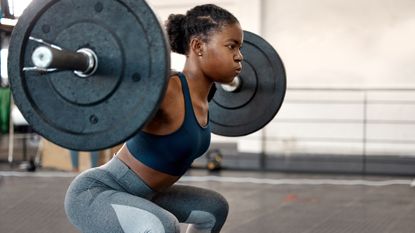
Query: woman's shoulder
168	117
174	84
173	94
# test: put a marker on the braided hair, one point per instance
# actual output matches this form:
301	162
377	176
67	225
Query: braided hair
199	21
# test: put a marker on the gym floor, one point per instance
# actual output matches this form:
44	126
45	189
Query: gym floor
259	202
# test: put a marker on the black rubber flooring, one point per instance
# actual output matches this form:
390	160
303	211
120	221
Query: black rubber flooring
259	202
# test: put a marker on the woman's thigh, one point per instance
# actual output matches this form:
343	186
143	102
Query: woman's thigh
95	208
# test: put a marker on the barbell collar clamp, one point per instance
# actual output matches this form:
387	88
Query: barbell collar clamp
92	63
233	86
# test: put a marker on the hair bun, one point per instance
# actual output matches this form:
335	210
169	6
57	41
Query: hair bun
176	33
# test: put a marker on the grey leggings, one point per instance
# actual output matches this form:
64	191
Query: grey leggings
112	198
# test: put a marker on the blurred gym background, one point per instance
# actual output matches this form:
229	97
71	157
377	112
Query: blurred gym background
350	102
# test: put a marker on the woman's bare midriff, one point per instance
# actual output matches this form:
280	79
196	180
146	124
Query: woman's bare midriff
157	180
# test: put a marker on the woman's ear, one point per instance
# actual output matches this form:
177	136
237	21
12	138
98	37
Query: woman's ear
196	46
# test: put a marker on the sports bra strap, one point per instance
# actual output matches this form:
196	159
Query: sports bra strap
186	93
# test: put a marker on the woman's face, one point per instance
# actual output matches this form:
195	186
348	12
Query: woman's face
221	60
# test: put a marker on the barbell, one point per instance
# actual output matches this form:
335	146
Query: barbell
88	75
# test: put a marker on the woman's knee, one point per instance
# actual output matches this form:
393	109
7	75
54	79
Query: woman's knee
200	221
218	204
212	216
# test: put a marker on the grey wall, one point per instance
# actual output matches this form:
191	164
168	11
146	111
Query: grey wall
350	76
343	43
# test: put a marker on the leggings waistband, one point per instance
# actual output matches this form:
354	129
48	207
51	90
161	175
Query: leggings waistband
127	178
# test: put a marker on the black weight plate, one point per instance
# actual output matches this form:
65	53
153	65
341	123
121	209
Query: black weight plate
262	91
112	105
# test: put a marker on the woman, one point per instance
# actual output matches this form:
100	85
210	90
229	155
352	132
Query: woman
135	191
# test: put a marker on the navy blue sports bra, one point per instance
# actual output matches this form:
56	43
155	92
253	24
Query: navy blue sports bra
173	153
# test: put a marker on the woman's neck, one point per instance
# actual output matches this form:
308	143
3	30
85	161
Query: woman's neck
198	83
